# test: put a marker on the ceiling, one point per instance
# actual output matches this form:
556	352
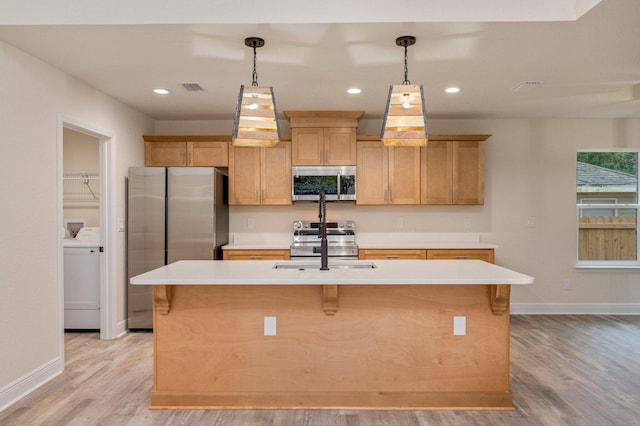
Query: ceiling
585	65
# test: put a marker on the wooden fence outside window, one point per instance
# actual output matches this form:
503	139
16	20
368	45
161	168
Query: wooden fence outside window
607	238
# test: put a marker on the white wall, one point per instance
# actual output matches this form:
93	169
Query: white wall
33	94
530	172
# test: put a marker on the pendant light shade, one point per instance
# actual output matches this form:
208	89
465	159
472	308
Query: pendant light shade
256	120
405	117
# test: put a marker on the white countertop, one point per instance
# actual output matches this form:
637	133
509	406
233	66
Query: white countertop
369	240
387	272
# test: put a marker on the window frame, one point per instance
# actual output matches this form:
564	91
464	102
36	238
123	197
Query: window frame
616	206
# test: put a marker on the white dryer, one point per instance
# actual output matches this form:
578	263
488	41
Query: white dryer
82	280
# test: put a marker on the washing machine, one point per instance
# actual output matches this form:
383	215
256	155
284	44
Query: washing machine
82	280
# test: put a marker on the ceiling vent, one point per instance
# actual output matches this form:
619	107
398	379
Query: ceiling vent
192	87
526	85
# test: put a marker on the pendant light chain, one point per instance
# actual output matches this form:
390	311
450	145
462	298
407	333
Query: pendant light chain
255	73
406	68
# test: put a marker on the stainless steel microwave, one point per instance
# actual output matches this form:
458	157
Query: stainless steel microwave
338	182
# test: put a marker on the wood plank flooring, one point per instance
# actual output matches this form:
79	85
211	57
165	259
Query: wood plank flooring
565	370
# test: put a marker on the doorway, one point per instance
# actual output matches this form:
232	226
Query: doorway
93	204
81	220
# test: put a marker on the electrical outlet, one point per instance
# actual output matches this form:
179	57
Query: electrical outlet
467	223
251	222
269	326
459	326
566	284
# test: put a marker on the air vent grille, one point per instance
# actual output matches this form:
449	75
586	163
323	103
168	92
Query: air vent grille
526	85
192	87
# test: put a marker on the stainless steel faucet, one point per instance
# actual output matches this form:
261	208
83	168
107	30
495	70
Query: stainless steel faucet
322	232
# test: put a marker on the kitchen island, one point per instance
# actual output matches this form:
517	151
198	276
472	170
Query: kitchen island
400	335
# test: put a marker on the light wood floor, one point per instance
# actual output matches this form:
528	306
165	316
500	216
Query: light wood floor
566	370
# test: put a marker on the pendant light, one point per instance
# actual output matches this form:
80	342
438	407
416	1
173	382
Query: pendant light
256	120
405	117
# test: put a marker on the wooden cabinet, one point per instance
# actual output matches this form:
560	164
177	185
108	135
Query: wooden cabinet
391	254
452	172
488	255
255	255
323	137
260	176
211	151
165	154
213	154
387	175
323	146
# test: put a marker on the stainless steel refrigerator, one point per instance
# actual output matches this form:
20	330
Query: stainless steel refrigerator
173	213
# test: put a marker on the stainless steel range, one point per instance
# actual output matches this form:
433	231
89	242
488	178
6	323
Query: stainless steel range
341	238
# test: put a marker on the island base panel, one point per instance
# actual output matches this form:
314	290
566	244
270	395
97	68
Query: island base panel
163	400
385	347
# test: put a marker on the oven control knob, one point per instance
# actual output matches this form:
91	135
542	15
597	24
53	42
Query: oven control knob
297	225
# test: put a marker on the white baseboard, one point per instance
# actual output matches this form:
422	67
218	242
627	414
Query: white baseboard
121	328
575	308
26	384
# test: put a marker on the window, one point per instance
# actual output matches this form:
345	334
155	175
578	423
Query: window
607	208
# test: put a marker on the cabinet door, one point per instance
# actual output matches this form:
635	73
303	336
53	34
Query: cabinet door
468	172
208	154
372	179
276	174
308	146
396	254
436	173
488	255
244	176
339	146
165	154
255	255
404	175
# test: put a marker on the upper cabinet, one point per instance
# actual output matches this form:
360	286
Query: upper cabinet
387	174
260	176
452	170
323	146
323	137
449	170
212	151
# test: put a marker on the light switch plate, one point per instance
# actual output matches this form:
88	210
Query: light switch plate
269	326
459	326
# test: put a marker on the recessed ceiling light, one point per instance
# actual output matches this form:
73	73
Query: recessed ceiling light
452	89
161	91
354	91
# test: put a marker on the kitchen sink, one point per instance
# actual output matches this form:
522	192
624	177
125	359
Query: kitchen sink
332	265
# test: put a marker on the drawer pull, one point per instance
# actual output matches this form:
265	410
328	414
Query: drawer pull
462	257
255	257
393	257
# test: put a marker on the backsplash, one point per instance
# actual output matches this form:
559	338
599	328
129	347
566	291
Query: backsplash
279	219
